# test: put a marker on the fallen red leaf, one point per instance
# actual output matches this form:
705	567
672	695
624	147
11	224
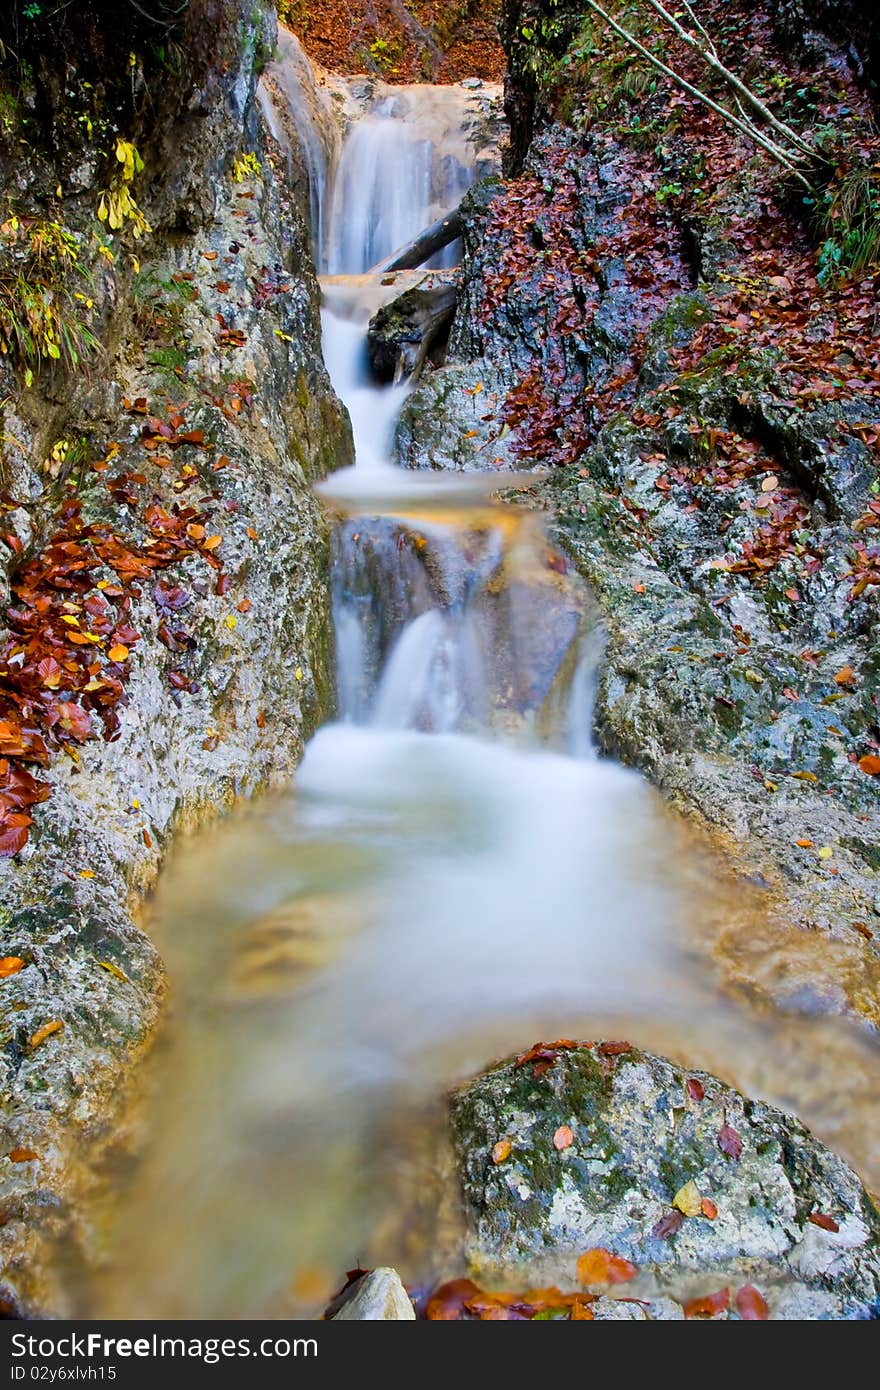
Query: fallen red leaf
827	1223
563	1138
751	1304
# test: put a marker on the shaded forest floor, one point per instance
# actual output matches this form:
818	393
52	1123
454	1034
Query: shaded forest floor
423	41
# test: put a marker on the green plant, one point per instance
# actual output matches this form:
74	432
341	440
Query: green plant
44	314
850	223
386	53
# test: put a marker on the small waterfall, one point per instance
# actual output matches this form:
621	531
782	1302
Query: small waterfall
403	165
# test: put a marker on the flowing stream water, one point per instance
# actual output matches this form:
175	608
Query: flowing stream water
455	874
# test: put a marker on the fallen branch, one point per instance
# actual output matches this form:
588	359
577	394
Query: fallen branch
708	53
788	159
433	239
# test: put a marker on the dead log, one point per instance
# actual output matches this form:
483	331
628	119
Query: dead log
404	333
433	239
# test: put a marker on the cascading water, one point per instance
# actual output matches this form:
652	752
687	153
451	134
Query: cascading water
451	879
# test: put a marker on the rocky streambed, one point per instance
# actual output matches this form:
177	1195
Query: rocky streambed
710	479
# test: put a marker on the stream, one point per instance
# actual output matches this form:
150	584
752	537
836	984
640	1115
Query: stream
456	873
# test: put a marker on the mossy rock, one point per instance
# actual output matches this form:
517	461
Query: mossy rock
592	1150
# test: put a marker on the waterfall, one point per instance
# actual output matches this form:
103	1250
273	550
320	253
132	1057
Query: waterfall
403	165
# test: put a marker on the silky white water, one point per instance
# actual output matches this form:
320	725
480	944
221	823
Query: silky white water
454	874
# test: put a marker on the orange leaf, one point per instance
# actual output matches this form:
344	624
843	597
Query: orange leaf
870	764
21	1155
563	1138
709	1306
447	1303
709	1209
501	1151
827	1223
751	1304
581	1312
10	965
845	676
804	844
53	1026
212	542
118	653
600	1266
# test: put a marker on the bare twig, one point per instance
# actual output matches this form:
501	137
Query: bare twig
788	158
709	55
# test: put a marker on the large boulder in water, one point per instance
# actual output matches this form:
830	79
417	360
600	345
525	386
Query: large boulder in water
582	1146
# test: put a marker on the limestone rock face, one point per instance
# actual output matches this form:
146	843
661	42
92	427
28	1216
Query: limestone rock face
649	1143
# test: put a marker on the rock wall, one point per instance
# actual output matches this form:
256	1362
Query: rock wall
178	525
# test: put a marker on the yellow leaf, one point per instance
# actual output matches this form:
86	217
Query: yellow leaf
806	776
825	852
298	673
114	970
688	1199
87	873
53	1026
230	620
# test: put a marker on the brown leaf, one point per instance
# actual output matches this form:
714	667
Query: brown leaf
600	1266
695	1089
447	1303
751	1304
729	1142
613	1049
668	1225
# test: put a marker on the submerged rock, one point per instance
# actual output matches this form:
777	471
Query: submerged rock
612	1148
378	1297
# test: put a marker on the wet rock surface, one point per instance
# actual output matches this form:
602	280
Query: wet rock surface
601	1146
